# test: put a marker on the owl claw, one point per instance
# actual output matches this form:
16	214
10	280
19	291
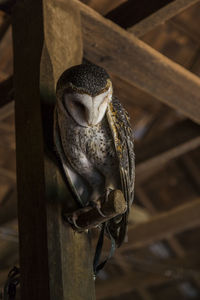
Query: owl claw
97	205
107	192
72	220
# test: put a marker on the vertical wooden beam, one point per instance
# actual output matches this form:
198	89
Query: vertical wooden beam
55	261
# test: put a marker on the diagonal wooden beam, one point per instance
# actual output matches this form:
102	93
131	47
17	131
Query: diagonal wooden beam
159	17
6	98
124	55
164	225
144	199
4	23
132	12
8	210
11	175
128	283
103	6
129	95
7	110
168	144
155	272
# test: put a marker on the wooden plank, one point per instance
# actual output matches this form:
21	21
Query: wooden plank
164	225
4	190
6	91
55	261
6	57
132	12
192	169
161	16
4	23
8	173
138	215
103	6
124	55
9	231
113	288
189	21
144	294
129	94
8	210
172	241
6	110
169	144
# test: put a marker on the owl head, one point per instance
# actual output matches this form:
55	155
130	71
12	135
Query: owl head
85	91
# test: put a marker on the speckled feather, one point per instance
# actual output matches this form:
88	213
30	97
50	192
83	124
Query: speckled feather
88	78
101	155
108	148
123	139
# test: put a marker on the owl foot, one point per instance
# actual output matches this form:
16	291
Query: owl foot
107	193
97	206
99	202
99	212
72	218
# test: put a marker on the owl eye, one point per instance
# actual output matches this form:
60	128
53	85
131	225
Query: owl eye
79	105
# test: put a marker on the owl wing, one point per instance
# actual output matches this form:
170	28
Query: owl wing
118	120
77	186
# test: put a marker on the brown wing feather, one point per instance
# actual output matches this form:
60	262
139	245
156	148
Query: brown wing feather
123	138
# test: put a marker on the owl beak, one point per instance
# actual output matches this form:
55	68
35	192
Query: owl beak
92	121
92	117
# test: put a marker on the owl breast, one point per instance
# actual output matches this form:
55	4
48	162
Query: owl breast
89	147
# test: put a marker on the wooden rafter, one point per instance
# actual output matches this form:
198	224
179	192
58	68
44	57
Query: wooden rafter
6	110
164	225
160	16
128	283
129	94
8	211
171	143
103	6
8	173
4	23
156	273
193	171
124	55
144	200
132	12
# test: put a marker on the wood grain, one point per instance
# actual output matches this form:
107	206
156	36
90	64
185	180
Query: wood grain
132	12
159	17
55	261
122	54
157	272
168	144
103	6
164	225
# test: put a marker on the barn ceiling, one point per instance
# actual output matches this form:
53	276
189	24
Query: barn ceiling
161	258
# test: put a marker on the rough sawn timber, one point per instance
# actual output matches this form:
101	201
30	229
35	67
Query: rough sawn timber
164	225
55	261
161	16
124	55
168	144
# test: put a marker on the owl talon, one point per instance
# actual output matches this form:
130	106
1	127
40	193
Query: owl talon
72	220
107	192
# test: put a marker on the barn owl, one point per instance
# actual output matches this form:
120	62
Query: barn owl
94	140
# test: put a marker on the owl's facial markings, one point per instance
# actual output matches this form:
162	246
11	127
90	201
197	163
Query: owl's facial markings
86	110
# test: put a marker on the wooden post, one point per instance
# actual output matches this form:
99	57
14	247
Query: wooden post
55	261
